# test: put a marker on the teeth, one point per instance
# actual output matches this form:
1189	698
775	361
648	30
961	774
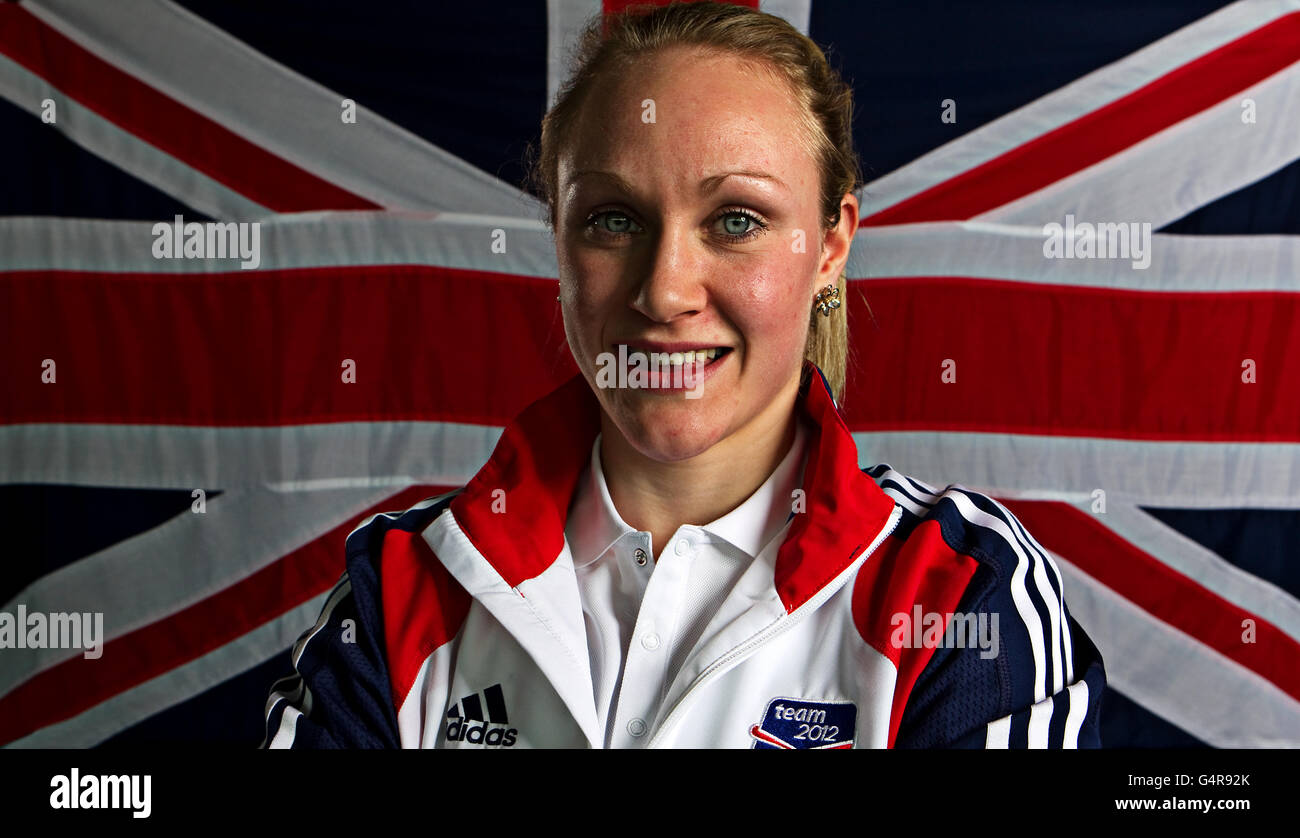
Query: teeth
661	359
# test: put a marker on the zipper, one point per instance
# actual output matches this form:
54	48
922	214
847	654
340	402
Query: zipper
783	623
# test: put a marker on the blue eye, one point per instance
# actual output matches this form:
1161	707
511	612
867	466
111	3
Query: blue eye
614	222
736	224
740	224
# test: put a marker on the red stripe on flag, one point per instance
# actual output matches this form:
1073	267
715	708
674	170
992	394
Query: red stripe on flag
1073	361
1160	590
1072	147
436	344
268	347
165	123
78	683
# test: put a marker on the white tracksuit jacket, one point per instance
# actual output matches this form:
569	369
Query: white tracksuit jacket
458	622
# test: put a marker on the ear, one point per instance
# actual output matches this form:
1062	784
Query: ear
837	241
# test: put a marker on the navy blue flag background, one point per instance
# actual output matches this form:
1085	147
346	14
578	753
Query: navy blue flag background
180	453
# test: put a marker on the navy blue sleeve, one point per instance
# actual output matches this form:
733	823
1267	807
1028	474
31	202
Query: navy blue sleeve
1040	685
339	694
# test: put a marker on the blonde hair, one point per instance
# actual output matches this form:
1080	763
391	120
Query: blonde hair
826	103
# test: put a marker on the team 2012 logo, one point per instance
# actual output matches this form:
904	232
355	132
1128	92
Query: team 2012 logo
794	724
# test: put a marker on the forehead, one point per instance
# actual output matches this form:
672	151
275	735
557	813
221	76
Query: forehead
710	112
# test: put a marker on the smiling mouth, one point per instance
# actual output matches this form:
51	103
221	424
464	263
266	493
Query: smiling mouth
674	359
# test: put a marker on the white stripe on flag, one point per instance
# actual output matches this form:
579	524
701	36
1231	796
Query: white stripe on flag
565	20
1142	472
1066	104
377	454
1179	169
141	580
1204	567
291	240
288	458
176	685
798	13
123	149
461	241
997	251
1178	678
204	68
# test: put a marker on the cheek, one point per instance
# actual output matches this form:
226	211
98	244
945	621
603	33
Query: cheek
774	300
592	272
589	281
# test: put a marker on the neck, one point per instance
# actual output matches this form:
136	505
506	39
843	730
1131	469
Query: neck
659	497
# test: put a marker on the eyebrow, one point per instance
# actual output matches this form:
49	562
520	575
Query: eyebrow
707	185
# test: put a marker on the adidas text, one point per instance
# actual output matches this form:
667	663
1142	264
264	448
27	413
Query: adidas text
466	722
464	730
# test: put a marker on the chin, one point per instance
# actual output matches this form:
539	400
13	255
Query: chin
668	428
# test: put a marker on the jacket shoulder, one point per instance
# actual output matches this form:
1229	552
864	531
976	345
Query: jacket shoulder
365	545
998	648
413	604
351	664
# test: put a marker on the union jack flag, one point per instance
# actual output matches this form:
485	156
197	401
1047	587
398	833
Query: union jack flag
185	443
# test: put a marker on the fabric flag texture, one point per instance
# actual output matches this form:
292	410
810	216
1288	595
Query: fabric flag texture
1076	288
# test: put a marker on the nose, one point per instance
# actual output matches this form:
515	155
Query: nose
672	281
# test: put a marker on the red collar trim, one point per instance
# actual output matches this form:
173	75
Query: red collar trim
846	509
514	509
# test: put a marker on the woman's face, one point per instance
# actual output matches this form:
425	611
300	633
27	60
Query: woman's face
687	217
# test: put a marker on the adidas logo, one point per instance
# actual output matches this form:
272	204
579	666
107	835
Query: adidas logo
462	716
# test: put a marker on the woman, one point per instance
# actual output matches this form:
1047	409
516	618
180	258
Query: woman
677	547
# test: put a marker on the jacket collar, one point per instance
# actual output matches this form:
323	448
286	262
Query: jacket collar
595	525
513	511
